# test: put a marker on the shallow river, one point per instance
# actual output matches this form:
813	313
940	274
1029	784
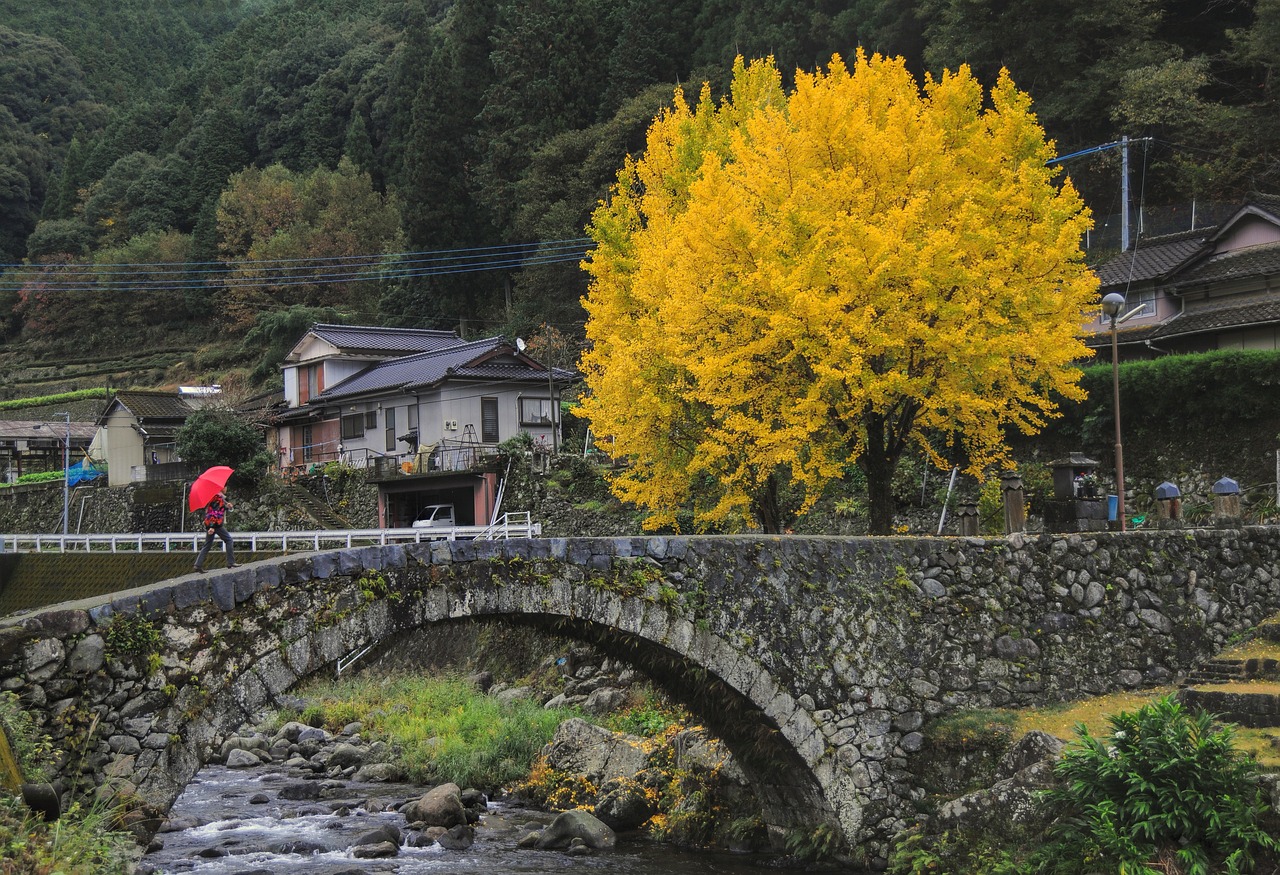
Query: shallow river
220	830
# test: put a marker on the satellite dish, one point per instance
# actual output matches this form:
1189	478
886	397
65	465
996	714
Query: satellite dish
520	344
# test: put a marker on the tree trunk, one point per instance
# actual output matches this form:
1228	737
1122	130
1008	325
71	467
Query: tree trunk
765	507
879	471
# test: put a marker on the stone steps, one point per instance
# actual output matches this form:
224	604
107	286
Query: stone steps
1253	708
1241	689
313	507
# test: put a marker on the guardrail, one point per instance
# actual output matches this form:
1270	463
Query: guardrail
509	526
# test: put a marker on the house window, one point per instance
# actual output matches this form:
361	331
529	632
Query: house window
391	429
489	420
308	382
353	426
371	420
535	411
1147	301
306	443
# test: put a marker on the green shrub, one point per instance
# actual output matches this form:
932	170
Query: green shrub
31	749
443	728
41	477
132	638
1166	789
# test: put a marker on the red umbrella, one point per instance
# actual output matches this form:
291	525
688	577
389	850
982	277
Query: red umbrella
207	485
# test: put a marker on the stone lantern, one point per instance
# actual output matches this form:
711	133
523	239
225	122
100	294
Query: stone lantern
1076	505
1226	502
967	518
1168	505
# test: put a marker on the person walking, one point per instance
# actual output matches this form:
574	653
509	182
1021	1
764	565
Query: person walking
215	517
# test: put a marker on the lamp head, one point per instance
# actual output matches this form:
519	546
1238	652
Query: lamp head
1112	304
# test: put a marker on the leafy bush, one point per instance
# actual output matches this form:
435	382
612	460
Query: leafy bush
213	436
1166	789
30	748
41	477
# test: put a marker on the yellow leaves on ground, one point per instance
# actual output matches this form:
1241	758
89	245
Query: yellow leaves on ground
780	272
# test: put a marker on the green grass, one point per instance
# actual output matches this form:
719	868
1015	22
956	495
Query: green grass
80	842
443	728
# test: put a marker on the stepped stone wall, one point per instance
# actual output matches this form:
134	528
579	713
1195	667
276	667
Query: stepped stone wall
818	660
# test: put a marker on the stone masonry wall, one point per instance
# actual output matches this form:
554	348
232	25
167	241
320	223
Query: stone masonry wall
836	649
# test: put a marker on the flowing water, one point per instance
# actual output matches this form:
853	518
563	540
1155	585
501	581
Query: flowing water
232	822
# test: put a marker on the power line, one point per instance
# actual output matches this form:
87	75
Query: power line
52	278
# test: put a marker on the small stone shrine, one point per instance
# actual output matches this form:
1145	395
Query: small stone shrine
1077	504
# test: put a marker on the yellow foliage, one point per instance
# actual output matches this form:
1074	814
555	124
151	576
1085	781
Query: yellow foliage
793	283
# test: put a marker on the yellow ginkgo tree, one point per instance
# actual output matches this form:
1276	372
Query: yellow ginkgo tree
787	284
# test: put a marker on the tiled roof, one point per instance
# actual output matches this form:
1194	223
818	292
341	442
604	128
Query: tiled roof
385	341
1194	322
465	361
1250	261
1152	258
154	405
1256	313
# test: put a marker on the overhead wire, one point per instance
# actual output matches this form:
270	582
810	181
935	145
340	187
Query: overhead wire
288	272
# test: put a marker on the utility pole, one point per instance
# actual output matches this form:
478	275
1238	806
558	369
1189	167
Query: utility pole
1123	145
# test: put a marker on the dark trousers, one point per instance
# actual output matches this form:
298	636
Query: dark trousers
221	532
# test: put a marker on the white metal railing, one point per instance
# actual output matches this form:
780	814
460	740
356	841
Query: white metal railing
509	526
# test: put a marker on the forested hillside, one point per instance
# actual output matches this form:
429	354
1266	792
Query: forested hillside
210	176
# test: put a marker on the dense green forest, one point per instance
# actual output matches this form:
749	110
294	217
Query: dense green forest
224	171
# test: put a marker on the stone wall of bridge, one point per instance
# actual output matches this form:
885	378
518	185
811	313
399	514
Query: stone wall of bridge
818	660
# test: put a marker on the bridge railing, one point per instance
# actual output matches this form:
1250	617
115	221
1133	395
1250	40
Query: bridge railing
171	542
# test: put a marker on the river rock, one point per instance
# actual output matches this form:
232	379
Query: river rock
622	804
457	838
604	700
594	751
439	806
242	759
345	754
378	773
290	731
569	825
385	833
300	790
378	851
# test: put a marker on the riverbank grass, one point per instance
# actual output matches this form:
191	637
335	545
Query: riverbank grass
444	729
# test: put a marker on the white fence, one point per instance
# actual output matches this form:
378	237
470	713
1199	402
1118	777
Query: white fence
511	525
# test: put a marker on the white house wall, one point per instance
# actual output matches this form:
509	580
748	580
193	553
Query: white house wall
123	447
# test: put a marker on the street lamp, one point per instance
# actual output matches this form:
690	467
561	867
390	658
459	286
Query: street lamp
1112	304
66	471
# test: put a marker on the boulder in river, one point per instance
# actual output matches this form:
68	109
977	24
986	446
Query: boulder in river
569	825
439	806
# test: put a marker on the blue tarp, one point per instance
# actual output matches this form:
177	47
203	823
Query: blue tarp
81	471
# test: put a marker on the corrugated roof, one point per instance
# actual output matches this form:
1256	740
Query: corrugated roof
1152	258
374	340
46	429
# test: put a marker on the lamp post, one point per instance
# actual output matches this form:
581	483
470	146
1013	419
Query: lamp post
1111	306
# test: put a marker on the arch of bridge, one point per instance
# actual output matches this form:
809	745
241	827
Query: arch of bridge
817	659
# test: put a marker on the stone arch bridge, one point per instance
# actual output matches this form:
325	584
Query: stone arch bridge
817	659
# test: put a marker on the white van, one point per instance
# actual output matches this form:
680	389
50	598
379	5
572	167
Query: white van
435	516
